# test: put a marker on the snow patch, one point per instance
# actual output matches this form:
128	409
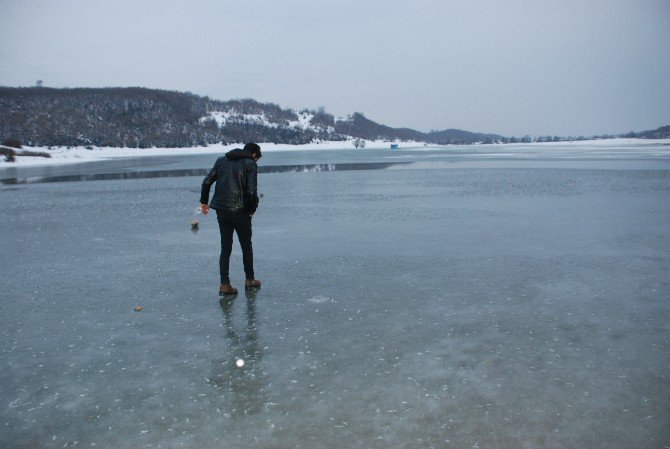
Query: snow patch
319	299
304	121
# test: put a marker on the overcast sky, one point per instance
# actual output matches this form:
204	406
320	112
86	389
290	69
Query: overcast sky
511	67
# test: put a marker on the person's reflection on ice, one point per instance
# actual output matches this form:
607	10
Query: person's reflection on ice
239	373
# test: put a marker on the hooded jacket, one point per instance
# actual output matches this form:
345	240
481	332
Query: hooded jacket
236	187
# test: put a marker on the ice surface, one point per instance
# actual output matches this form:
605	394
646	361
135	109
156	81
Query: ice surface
481	303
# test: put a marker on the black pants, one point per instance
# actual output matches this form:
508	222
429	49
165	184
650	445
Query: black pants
240	222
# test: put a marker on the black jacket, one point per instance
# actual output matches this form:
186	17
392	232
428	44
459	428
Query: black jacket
236	188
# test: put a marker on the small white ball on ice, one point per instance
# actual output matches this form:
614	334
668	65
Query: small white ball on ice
239	363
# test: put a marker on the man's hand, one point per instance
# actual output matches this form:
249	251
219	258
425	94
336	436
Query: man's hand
204	209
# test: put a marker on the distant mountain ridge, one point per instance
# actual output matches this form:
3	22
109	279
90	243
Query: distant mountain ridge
141	117
659	133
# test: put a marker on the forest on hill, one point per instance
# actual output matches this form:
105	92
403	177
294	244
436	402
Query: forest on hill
142	118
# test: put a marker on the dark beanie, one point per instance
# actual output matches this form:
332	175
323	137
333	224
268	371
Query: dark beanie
253	148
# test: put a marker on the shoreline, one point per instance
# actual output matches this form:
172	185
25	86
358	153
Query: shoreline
75	155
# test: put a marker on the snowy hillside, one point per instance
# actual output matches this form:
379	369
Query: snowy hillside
236	117
144	118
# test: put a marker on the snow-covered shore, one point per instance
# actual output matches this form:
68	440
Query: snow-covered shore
75	155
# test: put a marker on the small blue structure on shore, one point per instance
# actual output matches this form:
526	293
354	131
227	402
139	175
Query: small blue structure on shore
394	146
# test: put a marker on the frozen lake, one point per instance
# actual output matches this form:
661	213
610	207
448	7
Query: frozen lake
474	298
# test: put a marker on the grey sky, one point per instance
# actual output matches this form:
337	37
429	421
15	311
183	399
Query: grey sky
516	67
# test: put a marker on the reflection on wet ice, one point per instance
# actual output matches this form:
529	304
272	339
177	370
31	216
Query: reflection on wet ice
239	374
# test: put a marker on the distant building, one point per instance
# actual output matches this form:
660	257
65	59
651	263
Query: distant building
394	146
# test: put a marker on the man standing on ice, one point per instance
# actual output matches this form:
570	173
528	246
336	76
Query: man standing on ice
235	201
